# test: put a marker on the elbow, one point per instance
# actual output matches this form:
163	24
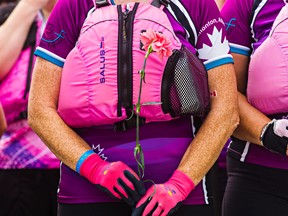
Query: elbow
3	127
4	70
228	115
32	117
3	123
235	119
30	120
232	117
2	130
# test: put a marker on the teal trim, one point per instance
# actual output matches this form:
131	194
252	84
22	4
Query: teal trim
240	51
219	62
49	58
82	159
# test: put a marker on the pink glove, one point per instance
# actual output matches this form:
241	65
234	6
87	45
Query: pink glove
116	179
167	198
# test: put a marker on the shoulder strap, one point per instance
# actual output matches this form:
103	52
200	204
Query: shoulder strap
254	7
30	42
179	12
5	11
32	45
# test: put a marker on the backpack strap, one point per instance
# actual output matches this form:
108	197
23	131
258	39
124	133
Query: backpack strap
5	11
254	7
179	12
102	3
30	42
159	3
156	3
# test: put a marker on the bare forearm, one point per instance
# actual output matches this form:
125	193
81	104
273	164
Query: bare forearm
214	132
207	145
252	122
44	119
65	143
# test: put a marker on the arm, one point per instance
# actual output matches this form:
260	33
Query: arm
3	124
204	150
14	31
252	121
236	14
44	119
217	127
249	128
121	182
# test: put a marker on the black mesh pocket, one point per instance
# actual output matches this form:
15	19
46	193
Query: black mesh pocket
185	85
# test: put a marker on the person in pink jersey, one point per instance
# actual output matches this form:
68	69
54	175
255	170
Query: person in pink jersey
29	172
176	159
257	157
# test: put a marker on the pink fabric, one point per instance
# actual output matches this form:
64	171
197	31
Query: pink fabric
89	77
106	174
267	87
12	87
167	195
21	148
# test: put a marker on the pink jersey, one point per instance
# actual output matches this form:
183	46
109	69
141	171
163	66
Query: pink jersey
247	32
20	147
273	98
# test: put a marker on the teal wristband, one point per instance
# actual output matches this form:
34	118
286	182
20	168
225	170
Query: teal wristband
112	2
82	159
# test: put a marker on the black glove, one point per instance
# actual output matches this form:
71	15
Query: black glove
274	136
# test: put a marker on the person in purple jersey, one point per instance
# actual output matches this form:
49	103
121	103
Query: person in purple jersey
257	157
175	157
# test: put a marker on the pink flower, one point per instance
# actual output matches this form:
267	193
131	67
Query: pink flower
158	42
147	38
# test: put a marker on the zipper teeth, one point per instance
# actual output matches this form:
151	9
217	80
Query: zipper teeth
119	60
125	70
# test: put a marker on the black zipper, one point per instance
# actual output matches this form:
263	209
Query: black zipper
124	67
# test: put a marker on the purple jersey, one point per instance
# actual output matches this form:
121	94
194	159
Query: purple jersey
246	31
246	27
163	143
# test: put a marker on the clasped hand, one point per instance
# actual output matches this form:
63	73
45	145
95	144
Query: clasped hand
165	199
275	136
116	179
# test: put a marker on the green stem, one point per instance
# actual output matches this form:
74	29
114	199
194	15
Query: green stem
138	153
